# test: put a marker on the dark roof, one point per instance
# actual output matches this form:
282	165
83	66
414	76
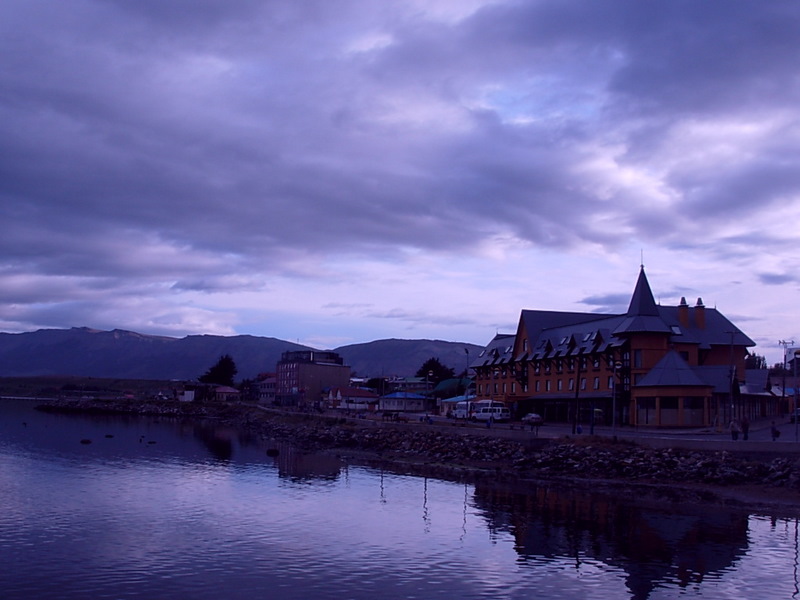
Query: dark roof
354	392
643	313
756	381
498	351
718	376
671	370
553	333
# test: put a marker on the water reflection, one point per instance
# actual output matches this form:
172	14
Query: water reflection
218	441
207	511
653	546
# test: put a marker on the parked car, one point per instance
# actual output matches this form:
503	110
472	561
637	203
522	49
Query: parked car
533	419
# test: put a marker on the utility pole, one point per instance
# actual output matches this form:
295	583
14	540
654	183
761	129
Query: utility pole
784	343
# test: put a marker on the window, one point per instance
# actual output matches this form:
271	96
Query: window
505	388
571	384
669	403
637	358
560	385
513	387
559	365
495	388
547	385
583	383
524	345
596	362
694	403
536	385
611	382
596	383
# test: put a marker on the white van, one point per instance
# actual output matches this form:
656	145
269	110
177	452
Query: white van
463	409
496	411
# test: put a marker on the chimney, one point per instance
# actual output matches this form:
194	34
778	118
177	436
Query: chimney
700	314
683	313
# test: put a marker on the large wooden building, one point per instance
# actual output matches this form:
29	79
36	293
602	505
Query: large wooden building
650	366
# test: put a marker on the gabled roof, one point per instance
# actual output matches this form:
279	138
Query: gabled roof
498	351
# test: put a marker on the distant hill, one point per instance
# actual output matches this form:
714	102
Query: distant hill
405	357
85	352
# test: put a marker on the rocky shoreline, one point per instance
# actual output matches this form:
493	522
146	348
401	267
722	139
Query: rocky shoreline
717	476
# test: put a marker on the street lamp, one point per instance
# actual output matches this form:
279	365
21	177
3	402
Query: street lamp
794	410
617	365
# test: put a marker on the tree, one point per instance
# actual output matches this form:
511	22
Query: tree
755	361
434	371
221	373
378	384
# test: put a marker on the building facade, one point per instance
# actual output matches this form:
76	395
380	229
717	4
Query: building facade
303	376
650	366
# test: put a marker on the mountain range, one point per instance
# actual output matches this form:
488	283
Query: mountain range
85	352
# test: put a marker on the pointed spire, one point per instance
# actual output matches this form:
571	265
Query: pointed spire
642	302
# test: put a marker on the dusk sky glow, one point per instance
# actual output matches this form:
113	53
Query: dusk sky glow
335	172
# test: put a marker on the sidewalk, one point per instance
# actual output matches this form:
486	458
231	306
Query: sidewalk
759	438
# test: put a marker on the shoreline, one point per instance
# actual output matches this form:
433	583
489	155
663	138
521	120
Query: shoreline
623	468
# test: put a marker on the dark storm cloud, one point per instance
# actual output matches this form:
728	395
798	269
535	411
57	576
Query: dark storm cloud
777	278
189	144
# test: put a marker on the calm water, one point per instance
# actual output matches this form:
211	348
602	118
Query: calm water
157	509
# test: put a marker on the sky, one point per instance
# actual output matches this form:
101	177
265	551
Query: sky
336	172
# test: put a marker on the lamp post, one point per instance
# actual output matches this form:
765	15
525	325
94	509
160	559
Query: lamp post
617	365
784	343
794	410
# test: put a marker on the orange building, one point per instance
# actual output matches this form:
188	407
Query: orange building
651	366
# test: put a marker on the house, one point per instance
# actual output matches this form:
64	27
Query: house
650	366
224	393
351	398
405	402
265	385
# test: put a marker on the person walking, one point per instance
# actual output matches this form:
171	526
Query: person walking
776	433
745	428
734	427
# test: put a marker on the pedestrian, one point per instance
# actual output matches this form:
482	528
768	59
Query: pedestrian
776	433
489	422
745	428
734	427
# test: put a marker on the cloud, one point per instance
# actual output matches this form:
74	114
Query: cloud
233	155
